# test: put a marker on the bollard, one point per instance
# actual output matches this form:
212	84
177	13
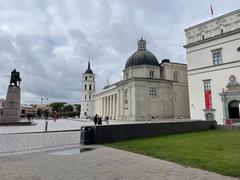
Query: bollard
46	125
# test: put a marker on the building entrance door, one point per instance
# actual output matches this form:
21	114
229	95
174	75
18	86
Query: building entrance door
233	109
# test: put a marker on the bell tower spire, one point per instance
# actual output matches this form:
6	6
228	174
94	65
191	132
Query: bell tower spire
87	93
89	65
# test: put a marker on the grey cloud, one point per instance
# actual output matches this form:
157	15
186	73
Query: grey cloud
50	42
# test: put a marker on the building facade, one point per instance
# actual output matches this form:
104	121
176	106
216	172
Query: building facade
87	92
213	58
148	90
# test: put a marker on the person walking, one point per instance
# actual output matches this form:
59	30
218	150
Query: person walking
95	119
107	119
99	120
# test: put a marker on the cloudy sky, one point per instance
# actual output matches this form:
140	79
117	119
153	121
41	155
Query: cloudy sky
51	41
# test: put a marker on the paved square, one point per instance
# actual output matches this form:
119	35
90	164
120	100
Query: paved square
101	163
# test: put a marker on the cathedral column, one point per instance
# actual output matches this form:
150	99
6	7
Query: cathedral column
103	106
106	105
117	105
114	105
111	105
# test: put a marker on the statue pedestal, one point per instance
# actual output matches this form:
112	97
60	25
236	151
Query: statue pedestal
11	109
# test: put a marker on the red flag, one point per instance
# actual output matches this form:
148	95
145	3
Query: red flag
211	9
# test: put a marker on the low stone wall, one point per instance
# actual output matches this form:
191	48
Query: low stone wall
111	133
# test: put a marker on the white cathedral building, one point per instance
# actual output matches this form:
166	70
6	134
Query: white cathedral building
149	89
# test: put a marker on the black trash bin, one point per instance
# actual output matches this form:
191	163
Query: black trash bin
87	135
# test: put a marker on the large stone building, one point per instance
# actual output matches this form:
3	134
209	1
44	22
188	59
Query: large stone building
148	90
213	59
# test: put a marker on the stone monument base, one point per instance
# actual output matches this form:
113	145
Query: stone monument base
11	108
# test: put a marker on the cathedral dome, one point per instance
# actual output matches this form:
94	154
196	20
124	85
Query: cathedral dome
142	56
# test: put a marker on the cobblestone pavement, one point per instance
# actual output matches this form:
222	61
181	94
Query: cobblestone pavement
10	143
102	163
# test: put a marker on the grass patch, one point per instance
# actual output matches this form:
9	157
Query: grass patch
214	150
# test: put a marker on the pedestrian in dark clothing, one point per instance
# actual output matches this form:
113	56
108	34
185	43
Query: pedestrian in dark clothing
107	119
95	119
100	121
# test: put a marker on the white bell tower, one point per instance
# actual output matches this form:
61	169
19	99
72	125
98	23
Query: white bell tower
88	90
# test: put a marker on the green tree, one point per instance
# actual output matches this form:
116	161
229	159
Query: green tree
57	106
68	108
78	107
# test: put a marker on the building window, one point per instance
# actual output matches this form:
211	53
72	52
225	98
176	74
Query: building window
85	77
90	87
221	31
85	97
90	77
153	92
217	57
127	75
203	37
151	73
207	94
176	76
85	87
89	97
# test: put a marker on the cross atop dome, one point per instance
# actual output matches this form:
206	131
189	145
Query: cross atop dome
141	44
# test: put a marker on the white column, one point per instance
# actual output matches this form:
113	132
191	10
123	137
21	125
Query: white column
103	106
117	108
111	105
114	105
107	104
